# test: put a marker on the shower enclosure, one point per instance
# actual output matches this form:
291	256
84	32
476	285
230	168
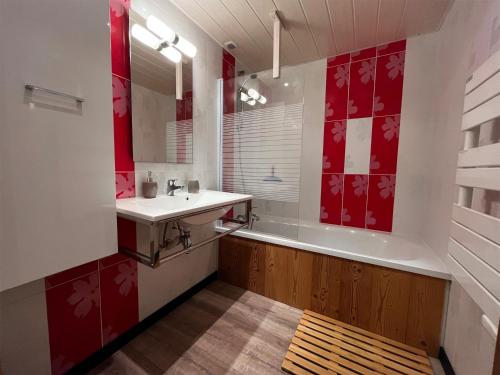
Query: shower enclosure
261	146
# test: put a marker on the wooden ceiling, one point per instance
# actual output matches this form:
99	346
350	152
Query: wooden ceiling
314	28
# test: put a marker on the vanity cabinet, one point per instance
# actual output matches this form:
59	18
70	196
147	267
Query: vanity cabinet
57	185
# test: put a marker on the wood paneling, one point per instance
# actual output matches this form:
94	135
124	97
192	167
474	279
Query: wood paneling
399	305
312	28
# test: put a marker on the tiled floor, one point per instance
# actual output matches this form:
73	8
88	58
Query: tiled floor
221	330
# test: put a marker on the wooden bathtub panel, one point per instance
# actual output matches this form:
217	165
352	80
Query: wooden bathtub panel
400	305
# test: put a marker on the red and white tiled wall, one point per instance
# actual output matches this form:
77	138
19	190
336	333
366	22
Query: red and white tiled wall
361	134
90	305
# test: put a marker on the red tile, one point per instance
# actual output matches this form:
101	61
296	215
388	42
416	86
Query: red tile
389	48
384	148
334	146
119	27
331	198
119	298
389	84
363	54
338	60
228	74
381	202
228	57
337	83
189	108
74	321
362	77
127	237
125	185
180	110
124	161
354	204
70	274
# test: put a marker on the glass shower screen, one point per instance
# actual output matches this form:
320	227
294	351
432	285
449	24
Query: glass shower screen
261	144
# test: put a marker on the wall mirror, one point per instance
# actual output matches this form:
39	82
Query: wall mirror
162	125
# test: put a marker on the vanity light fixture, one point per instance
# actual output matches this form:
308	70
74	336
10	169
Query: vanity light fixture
172	54
244	97
170	37
252	96
145	36
253	93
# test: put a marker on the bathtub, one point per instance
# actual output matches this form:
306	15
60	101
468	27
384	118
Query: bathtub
388	250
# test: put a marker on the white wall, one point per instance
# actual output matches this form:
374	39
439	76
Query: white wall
151	111
437	68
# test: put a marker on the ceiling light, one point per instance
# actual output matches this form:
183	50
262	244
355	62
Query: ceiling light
185	46
252	102
172	54
160	29
254	94
244	97
262	99
144	36
285	84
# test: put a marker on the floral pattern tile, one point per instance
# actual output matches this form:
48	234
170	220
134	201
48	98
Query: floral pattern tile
337	83
338	60
389	84
386	49
363	54
119	33
362	85
119	296
70	274
73	312
362	78
354	203
331	198
381	202
124	161
334	141
384	146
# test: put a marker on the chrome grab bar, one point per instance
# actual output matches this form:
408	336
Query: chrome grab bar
38	88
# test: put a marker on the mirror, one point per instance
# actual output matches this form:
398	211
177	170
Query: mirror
162	126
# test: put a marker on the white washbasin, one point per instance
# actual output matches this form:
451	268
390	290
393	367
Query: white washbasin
166	207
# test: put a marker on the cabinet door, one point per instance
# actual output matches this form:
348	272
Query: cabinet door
57	189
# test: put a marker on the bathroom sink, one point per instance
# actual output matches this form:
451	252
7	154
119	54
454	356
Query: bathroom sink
194	209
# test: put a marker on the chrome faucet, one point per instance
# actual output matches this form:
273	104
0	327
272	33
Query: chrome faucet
172	187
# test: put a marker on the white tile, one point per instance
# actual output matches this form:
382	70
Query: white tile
358	145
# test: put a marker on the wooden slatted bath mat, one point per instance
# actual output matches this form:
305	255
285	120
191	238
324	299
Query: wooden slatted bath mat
322	345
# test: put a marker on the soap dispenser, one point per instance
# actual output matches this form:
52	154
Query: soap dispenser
149	188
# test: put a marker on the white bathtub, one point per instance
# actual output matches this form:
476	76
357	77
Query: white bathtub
386	250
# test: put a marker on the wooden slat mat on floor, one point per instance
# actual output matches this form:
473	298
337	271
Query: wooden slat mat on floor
322	345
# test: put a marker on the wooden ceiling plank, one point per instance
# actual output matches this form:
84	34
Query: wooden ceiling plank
226	21
296	24
365	23
316	13
389	20
342	19
198	15
255	30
